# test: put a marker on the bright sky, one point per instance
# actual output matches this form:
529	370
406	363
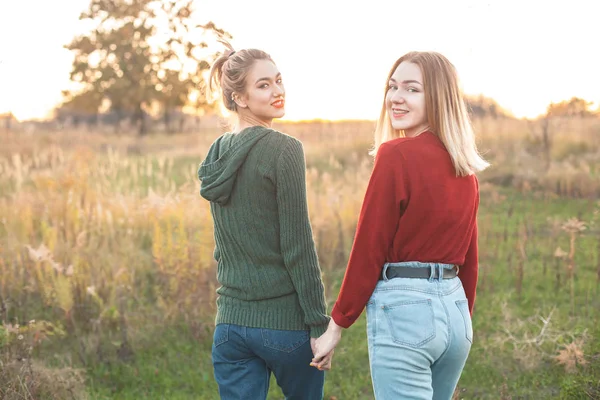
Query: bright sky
335	55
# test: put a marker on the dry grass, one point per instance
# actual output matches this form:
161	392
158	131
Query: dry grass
104	235
32	381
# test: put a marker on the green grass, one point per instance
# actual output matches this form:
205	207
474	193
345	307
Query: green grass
172	365
505	361
521	284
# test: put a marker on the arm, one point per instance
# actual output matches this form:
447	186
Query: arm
469	271
377	225
297	245
217	251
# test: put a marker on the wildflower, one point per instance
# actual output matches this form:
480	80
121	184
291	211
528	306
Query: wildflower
559	253
574	225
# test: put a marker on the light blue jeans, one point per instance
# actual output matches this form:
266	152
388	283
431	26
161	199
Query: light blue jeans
420	334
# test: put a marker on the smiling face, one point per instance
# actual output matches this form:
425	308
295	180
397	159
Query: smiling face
405	100
264	97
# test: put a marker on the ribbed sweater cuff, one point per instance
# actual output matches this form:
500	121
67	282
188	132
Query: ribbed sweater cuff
318	330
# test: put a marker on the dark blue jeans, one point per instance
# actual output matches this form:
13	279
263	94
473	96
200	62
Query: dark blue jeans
243	359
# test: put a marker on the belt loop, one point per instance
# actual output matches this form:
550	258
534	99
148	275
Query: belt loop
384	272
440	272
431	272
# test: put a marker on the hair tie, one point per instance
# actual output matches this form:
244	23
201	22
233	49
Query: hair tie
230	54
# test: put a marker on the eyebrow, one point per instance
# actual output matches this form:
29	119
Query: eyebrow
266	79
407	81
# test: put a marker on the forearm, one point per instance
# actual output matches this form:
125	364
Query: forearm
469	271
377	225
306	278
296	237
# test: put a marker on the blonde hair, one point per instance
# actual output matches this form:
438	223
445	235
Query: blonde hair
447	114
230	70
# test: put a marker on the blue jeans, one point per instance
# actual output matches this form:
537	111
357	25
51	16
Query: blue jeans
420	334
243	359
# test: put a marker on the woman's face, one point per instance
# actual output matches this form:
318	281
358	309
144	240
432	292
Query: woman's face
405	99
265	94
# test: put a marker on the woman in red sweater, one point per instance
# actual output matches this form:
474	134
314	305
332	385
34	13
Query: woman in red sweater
414	259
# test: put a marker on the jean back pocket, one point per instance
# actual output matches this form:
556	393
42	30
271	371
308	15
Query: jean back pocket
221	334
411	322
463	307
285	341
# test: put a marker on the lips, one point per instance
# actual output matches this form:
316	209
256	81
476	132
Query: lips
278	104
398	113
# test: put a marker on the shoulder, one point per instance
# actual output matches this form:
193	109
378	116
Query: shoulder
284	137
395	148
411	147
404	144
277	138
284	143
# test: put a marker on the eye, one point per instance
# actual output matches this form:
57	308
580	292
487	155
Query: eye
413	90
264	86
279	80
392	86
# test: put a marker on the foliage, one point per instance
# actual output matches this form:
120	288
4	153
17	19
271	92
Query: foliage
139	56
105	238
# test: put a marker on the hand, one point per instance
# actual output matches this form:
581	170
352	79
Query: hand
325	364
324	346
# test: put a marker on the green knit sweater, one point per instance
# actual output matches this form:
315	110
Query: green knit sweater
267	264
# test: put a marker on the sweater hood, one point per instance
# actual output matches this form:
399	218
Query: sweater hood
218	172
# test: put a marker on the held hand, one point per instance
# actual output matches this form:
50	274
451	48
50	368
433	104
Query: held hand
325	364
325	345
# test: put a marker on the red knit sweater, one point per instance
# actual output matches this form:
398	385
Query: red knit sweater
415	209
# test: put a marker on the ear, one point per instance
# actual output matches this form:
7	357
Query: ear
240	101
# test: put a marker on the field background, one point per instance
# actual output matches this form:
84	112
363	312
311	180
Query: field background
107	279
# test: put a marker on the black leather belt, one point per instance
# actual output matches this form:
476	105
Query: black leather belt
423	273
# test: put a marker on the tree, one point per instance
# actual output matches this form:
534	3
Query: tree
575	107
80	107
481	106
141	53
546	126
8	119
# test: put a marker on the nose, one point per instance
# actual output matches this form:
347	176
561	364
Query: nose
397	97
279	91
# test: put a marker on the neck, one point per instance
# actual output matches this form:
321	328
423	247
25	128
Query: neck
248	120
416	132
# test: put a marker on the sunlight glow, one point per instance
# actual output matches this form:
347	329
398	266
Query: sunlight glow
522	54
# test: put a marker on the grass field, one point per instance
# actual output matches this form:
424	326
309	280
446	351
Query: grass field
107	279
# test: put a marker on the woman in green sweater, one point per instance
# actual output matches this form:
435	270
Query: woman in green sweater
271	303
